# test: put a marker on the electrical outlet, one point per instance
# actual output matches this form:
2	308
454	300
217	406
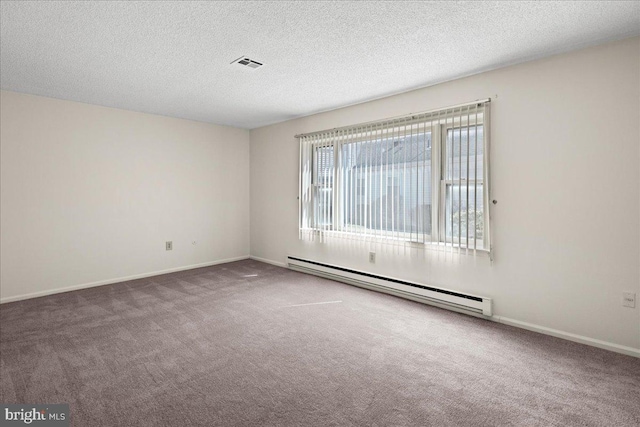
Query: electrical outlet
169	246
372	257
629	299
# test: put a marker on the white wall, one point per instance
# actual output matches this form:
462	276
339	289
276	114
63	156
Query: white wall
91	194
565	158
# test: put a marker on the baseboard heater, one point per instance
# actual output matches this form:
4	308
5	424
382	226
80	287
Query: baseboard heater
465	303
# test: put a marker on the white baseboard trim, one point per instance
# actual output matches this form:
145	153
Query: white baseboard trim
268	261
117	280
630	351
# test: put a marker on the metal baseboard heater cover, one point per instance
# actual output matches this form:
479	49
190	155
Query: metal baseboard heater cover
471	304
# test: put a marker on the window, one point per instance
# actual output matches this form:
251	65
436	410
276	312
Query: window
421	178
323	172
462	185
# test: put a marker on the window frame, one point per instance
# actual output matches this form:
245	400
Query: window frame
317	187
437	123
444	183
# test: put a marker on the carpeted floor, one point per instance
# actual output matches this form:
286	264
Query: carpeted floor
235	345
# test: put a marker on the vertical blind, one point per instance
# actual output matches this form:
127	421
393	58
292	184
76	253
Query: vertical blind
419	178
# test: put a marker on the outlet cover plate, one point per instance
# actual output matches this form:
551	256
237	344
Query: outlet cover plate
629	299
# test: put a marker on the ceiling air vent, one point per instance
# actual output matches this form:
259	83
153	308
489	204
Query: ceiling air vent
247	62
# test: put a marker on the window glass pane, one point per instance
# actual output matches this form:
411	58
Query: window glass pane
323	186
387	185
324	165
324	206
458	153
463	214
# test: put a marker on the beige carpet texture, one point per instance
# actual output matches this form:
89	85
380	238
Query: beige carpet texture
251	344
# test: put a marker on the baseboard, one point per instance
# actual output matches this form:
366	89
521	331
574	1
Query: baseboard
630	351
117	280
268	261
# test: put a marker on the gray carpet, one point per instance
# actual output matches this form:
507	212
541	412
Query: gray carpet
232	345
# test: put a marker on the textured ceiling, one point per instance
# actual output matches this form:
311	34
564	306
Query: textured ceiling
174	58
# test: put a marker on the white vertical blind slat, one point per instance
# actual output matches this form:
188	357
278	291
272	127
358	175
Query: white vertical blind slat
475	186
351	179
359	182
403	185
453	179
486	237
460	180
423	215
369	181
467	181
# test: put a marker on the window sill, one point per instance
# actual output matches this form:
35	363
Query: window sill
372	238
